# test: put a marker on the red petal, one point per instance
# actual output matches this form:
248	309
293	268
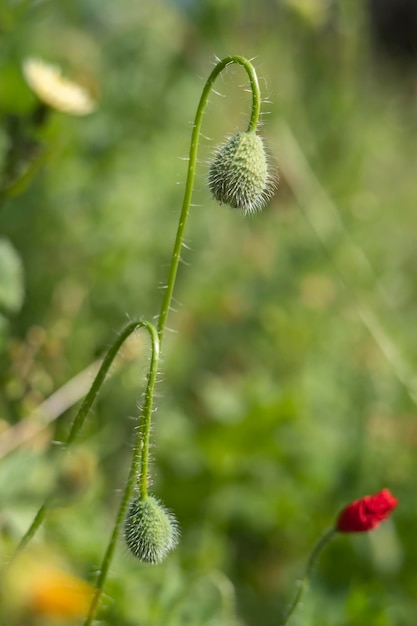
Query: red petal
366	513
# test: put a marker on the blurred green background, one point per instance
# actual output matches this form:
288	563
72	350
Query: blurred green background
289	386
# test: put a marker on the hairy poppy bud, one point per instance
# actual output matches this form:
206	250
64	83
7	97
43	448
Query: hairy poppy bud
239	174
150	530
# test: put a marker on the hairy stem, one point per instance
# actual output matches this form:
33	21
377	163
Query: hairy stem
303	583
139	466
140	458
253	122
80	419
141	453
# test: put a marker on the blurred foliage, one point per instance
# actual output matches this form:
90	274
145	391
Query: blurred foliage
289	386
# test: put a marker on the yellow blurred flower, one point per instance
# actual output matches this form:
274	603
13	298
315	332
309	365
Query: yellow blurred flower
57	594
55	90
36	585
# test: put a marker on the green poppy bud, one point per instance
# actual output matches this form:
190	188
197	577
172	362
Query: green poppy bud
150	530
239	174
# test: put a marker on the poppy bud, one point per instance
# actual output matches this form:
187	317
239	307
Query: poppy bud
366	513
150	530
239	173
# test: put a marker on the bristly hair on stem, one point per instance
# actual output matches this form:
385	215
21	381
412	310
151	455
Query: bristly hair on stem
150	529
80	417
192	163
142	504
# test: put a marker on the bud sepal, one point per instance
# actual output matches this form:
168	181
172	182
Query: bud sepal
150	530
240	175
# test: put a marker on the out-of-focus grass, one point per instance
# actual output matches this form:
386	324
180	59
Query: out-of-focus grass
289	386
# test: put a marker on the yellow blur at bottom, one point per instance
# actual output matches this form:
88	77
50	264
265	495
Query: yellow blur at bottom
37	591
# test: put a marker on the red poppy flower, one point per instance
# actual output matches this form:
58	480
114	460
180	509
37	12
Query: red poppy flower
366	513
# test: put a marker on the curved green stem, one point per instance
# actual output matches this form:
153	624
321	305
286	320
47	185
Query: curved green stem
303	583
140	458
141	451
80	418
253	122
142	443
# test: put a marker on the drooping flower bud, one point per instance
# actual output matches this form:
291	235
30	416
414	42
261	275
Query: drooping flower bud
239	174
150	530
